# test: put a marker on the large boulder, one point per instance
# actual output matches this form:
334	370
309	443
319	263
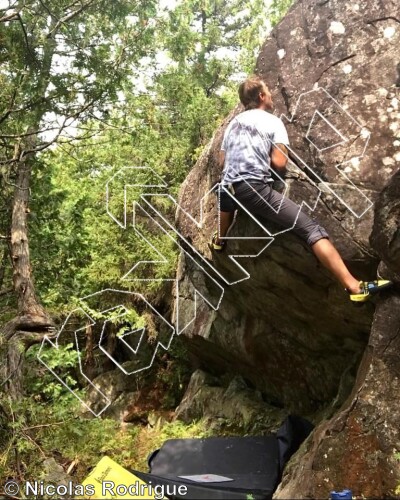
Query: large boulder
228	404
289	329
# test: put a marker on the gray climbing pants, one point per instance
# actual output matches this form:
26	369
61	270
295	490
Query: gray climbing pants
262	201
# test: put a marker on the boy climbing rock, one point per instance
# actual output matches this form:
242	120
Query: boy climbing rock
254	142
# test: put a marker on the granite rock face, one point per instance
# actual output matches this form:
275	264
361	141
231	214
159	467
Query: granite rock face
289	329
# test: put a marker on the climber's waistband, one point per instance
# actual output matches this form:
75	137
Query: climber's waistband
237	185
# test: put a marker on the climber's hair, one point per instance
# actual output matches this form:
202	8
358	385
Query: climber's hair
249	92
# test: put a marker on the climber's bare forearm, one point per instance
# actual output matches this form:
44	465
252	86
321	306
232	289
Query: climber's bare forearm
221	159
279	157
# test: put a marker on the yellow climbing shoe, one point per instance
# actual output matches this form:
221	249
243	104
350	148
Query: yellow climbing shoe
215	244
368	288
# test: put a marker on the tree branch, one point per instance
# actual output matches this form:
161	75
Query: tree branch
26	38
68	17
45	145
12	102
13	16
35	443
47	9
27	106
28	134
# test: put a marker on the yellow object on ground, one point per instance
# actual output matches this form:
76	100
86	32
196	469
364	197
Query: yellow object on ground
108	480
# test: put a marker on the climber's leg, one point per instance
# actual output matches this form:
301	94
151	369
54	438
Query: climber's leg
330	258
225	221
261	200
359	290
226	213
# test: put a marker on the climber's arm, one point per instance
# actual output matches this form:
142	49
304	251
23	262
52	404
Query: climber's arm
221	159
279	157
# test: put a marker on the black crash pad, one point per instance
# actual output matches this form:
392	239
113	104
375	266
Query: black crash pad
253	463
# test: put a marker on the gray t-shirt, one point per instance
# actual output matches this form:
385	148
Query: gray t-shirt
247	143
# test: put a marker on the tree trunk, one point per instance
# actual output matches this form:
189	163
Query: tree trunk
31	317
32	321
30	312
3	266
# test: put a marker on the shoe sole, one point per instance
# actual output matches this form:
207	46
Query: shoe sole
360	299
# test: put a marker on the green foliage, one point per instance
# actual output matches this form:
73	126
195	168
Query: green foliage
59	428
87	440
76	248
61	62
48	421
37	431
54	58
278	9
62	360
218	35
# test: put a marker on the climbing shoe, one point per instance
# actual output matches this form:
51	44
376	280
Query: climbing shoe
368	288
215	245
